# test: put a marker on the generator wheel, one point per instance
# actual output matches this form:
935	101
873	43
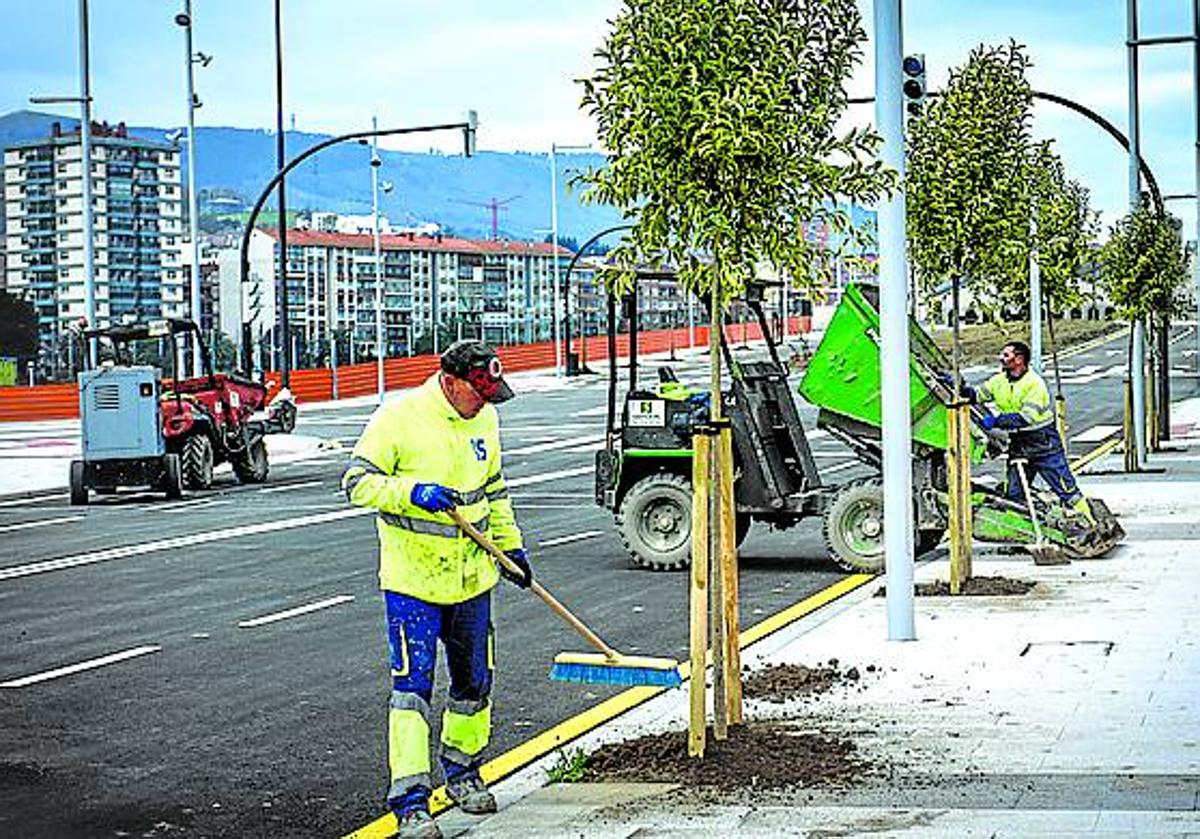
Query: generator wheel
854	527
79	493
655	522
252	467
196	459
172	476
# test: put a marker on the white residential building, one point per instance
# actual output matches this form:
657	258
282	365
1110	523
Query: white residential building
137	200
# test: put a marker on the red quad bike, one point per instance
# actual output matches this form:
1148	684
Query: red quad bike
139	429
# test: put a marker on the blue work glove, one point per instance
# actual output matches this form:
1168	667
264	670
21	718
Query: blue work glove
434	498
520	558
987	422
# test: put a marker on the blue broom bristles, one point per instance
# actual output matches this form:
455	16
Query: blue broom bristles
593	674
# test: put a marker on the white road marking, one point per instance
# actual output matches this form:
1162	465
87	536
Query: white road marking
1096	433
1115	370
574	537
593	412
25	525
91	664
554	445
125	551
299	610
289	487
839	467
550	476
32	499
193	504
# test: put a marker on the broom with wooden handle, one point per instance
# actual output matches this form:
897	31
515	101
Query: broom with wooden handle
607	667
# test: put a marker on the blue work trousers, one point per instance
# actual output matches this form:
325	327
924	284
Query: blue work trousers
1043	450
414	629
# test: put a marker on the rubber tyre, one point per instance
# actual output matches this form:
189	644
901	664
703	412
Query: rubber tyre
742	529
196	460
655	522
79	493
172	476
853	527
252	467
927	540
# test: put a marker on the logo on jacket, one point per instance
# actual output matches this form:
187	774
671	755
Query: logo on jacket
477	444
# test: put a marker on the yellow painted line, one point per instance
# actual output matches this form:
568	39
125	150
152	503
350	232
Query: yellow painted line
1096	453
521	756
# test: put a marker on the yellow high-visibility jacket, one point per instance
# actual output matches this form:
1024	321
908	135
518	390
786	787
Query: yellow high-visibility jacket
420	438
1027	396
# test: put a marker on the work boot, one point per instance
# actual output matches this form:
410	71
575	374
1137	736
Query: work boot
470	793
417	824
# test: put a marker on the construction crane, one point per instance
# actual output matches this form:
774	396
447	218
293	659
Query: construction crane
493	205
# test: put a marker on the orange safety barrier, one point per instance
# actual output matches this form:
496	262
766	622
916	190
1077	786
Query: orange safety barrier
61	401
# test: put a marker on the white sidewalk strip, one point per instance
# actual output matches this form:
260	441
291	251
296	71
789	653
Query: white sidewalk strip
574	537
299	610
91	664
15	571
25	525
289	487
1096	434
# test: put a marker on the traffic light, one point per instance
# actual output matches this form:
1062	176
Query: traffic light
914	83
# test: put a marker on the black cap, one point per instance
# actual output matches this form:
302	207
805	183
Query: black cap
478	364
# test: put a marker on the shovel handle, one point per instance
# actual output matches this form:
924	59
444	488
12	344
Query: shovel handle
1021	463
549	599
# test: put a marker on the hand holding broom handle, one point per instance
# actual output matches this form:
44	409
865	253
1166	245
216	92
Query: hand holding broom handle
536	587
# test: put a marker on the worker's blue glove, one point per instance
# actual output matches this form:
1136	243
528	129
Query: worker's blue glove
520	558
987	422
434	498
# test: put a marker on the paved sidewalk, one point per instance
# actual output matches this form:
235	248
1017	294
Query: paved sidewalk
1070	711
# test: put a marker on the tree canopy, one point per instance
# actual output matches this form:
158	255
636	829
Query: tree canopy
968	200
1143	268
720	122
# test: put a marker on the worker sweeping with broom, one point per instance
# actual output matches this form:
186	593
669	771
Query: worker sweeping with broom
433	450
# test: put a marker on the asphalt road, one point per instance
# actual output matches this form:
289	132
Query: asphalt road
236	679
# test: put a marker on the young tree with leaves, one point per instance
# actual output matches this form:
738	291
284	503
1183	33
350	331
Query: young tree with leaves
967	200
1143	268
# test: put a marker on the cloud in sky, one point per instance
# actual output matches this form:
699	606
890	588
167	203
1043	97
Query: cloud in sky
419	61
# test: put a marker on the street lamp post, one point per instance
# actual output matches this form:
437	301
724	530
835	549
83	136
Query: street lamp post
468	127
380	350
559	356
190	58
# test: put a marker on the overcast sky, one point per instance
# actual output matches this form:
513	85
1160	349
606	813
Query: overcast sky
413	62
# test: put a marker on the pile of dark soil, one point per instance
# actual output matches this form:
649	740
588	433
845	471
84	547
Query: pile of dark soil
974	587
781	682
767	755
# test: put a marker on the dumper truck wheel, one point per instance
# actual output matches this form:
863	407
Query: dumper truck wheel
79	493
854	527
196	459
655	522
172	478
252	466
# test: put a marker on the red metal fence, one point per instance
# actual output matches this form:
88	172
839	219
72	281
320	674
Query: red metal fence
61	401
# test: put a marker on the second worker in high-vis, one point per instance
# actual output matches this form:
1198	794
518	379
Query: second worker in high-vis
433	448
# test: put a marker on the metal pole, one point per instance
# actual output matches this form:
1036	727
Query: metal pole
783	293
280	160
1137	362
1035	298
1196	92
558	357
85	142
380	349
193	201
893	316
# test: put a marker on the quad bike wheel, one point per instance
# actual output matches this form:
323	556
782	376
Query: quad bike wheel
655	522
196	459
251	467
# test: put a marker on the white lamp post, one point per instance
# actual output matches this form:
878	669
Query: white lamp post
557	270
